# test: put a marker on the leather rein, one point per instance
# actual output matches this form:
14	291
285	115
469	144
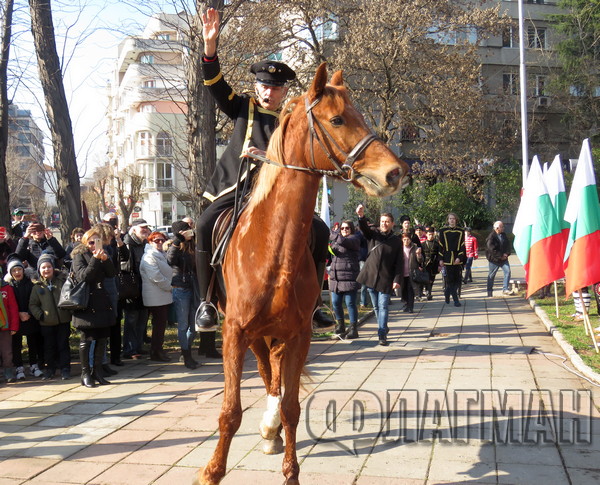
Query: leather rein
343	170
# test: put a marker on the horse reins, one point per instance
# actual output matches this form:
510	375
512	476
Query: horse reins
345	170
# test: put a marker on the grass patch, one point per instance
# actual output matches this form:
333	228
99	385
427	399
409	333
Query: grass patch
573	331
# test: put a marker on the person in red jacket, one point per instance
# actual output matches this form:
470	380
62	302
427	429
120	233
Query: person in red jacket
9	325
472	251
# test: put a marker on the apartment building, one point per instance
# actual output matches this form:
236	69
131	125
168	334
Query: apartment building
25	162
146	119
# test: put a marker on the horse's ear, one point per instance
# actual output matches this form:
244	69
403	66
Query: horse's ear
337	79
318	84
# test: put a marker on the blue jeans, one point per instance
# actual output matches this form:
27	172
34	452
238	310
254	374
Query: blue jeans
184	313
492	274
380	302
349	297
134	330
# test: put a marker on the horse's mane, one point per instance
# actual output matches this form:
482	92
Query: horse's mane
268	173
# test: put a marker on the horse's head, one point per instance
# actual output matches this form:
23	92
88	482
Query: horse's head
340	139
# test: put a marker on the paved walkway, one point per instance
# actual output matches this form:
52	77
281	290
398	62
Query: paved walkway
457	397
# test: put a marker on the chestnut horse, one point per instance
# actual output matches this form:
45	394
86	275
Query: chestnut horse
269	271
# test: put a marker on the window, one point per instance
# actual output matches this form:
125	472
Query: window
164	144
536	38
163	36
150	83
409	133
164	175
510	83
147	108
539	89
510	37
147	59
143	144
328	29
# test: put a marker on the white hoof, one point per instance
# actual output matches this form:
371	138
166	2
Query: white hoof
273	446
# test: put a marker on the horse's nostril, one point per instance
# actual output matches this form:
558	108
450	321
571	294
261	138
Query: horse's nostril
393	176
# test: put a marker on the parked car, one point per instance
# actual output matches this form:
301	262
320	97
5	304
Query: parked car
166	230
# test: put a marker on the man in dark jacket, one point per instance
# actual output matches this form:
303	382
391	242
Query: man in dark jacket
382	272
136	314
497	252
453	256
38	239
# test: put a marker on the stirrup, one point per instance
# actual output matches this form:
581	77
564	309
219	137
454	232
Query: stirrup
206	307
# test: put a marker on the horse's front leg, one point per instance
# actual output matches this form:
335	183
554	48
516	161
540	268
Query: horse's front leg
234	348
295	357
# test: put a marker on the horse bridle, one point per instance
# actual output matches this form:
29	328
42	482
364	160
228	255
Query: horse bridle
344	170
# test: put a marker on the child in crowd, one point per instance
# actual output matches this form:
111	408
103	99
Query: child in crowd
29	326
55	323
9	325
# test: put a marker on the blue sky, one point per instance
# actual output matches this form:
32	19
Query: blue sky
88	34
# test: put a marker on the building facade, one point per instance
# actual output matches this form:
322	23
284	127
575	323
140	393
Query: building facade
25	163
147	119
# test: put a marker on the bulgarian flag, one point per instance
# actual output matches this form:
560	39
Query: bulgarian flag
555	183
582	261
538	241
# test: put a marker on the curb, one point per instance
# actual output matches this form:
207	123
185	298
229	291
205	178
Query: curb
566	346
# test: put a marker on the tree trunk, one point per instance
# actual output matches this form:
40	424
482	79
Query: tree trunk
69	190
4	55
201	118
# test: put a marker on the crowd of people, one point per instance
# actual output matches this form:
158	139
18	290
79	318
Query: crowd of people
406	263
134	278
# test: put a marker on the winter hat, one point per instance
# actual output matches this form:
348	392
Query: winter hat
46	257
179	226
13	262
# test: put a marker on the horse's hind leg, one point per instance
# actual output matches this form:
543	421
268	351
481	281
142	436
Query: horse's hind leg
296	351
231	411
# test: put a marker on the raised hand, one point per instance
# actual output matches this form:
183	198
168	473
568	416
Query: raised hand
210	31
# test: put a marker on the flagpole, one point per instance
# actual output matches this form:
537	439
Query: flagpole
556	298
523	86
587	323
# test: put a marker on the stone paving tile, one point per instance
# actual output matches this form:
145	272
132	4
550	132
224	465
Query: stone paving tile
105	453
52	449
531	474
76	472
129	474
25	468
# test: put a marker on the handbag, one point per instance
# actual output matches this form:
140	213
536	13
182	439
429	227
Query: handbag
419	276
128	285
74	295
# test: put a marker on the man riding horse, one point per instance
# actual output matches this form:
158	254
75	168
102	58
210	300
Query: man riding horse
255	119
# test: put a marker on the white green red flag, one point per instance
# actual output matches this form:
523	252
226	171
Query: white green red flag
538	241
555	183
582	261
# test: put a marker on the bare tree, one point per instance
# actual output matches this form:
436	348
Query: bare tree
128	185
68	190
7	13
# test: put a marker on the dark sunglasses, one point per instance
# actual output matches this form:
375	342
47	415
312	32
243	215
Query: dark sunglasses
159	241
344	227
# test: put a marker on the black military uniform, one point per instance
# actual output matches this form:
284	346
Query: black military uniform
452	242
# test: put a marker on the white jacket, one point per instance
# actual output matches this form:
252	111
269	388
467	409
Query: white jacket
156	278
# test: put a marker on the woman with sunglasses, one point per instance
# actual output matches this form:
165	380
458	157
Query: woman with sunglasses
345	246
92	265
156	291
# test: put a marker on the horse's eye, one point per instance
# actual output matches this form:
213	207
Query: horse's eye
337	121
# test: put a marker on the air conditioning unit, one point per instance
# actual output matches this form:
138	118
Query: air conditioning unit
543	101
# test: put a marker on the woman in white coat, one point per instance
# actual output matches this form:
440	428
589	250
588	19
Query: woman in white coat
156	291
